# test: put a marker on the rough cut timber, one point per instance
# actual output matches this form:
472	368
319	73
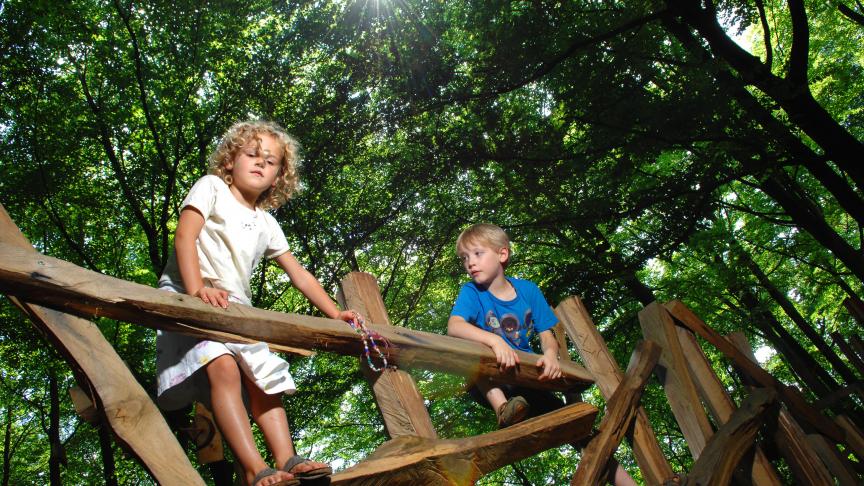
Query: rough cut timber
132	416
398	399
598	360
719	404
728	445
620	411
62	285
793	399
411	461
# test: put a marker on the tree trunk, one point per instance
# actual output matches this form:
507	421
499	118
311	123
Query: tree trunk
7	447
797	318
55	458
802	214
108	469
791	93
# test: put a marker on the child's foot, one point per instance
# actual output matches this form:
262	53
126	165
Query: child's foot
271	477
512	412
306	469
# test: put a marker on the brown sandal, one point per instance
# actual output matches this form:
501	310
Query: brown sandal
318	472
512	411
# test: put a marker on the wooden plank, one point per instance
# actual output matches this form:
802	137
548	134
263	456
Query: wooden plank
790	396
857	345
674	375
725	449
598	360
620	412
839	466
409	461
855	308
789	438
399	401
854	437
847	350
718	402
59	284
137	424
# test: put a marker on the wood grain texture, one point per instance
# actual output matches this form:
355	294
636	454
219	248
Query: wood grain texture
62	285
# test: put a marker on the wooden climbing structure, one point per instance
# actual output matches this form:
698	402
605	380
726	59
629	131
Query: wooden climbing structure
818	448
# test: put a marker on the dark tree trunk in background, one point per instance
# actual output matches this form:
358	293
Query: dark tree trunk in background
55	459
108	467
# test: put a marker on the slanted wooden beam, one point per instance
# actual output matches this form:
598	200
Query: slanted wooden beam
788	436
790	396
592	349
728	445
396	394
718	402
620	411
55	283
850	353
674	375
136	422
409	461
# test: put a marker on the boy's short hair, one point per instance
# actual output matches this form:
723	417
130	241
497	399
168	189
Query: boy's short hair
240	134
486	234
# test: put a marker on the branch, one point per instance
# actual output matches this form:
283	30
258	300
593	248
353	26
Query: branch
800	44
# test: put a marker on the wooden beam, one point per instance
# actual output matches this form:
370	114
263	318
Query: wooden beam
136	422
620	412
396	394
674	375
839	466
855	308
725	449
719	403
598	360
62	285
847	350
790	396
788	436
409	461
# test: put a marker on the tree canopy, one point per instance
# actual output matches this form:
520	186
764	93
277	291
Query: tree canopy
708	152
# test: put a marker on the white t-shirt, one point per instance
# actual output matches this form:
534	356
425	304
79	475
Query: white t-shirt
231	243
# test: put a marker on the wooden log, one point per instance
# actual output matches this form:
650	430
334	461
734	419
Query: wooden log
399	401
839	466
674	375
857	345
725	449
847	350
59	284
136	422
620	412
793	399
788	436
856	309
410	461
854	437
84	405
718	402
599	361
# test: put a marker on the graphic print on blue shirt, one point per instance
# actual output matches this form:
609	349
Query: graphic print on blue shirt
516	321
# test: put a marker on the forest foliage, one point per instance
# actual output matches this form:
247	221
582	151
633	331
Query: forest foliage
633	150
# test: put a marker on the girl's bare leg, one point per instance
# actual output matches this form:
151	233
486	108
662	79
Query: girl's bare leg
269	413
231	417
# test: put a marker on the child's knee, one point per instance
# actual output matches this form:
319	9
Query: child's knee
223	369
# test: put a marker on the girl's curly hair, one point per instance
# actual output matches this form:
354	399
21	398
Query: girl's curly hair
240	134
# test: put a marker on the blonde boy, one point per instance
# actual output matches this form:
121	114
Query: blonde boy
503	313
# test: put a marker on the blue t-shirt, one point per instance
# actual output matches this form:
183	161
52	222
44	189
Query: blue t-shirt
515	320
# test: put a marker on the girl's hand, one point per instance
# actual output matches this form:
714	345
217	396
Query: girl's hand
551	367
350	315
504	354
214	297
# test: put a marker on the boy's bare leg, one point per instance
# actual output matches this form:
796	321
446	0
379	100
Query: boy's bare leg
494	395
231	417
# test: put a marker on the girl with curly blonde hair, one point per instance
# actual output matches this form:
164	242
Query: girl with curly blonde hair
223	231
